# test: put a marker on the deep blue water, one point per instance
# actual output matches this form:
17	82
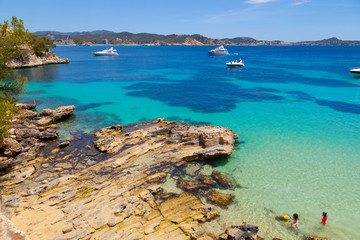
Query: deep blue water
297	110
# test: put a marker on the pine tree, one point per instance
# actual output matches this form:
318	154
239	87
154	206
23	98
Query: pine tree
13	37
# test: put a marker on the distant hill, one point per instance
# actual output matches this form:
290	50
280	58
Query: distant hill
44	33
127	38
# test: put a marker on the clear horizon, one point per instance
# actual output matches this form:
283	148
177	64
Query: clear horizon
285	20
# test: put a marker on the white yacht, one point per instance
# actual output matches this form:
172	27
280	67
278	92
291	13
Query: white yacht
236	63
107	52
219	51
355	70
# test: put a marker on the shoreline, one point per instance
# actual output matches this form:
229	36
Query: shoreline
98	175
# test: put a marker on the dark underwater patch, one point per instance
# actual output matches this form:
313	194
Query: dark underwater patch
340	106
91	105
212	96
34	92
301	95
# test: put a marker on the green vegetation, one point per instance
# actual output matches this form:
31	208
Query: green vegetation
16	43
40	44
13	36
85	193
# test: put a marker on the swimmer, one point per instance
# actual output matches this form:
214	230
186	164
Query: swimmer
324	218
295	219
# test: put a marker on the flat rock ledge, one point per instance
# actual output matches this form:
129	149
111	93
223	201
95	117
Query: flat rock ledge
33	61
121	197
28	133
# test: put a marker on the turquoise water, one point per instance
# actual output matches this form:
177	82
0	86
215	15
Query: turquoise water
296	109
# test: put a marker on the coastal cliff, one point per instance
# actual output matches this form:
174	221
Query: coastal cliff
30	59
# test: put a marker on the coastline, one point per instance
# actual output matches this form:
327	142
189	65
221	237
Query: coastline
60	187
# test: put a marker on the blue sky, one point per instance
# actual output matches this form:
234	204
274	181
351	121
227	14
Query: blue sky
288	20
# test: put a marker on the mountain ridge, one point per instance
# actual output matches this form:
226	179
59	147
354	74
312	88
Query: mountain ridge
128	38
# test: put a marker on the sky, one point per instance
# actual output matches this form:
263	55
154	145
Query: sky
286	20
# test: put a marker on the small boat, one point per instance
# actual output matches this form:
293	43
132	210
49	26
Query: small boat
355	70
236	63
219	51
107	52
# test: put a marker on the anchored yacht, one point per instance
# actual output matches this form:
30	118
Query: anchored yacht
219	51
236	63
107	52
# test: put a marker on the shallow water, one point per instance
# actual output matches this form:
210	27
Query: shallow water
296	109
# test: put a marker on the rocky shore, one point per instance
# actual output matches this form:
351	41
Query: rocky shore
31	60
113	184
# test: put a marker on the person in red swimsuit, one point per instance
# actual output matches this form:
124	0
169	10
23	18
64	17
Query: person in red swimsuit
324	218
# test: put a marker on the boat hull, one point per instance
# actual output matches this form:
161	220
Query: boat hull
212	53
235	65
105	54
355	70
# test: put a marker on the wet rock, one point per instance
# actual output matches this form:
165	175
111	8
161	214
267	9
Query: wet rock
315	238
58	113
242	232
11	147
117	127
49	133
222	199
209	212
190	185
64	144
208	180
223	180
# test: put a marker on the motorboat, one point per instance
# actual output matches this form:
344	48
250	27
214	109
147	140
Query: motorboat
355	70
107	52
236	63
219	51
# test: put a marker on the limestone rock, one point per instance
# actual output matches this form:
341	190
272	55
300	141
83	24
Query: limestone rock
26	106
8	231
22	133
11	201
242	232
57	113
44	187
315	238
64	144
11	147
18	176
49	133
223	180
190	185
27	114
31	60
222	199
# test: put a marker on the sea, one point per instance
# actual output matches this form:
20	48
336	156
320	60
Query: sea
296	110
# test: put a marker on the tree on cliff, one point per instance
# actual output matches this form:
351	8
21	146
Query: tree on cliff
13	37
